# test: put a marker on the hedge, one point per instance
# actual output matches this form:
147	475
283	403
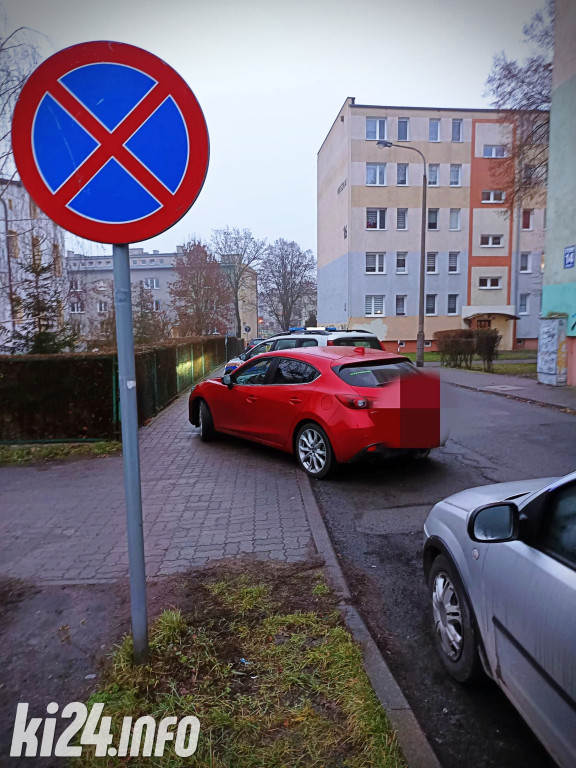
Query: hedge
75	396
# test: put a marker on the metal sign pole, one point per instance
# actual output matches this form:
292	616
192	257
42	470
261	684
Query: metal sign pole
129	416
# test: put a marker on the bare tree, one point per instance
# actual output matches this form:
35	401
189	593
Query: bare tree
287	277
201	294
521	91
239	252
19	56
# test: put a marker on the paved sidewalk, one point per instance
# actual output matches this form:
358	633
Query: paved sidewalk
515	386
65	522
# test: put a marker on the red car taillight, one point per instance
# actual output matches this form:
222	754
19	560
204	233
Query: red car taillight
330	343
353	402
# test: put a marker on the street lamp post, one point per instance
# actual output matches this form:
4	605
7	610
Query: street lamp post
420	334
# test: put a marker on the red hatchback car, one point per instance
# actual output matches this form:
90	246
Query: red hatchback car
327	405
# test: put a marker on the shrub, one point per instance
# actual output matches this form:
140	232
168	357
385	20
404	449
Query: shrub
456	347
487	342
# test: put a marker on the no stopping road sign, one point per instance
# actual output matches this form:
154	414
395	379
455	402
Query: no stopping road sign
110	142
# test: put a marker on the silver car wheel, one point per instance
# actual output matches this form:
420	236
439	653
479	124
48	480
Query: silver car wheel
312	451
447	616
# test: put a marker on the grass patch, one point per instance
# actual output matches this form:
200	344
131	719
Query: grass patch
265	662
429	357
509	369
517	354
29	454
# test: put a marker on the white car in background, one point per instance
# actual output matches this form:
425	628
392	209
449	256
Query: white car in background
308	337
500	562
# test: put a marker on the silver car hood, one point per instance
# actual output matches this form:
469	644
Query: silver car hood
486	494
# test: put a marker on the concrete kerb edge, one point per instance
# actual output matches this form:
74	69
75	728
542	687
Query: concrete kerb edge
541	403
413	742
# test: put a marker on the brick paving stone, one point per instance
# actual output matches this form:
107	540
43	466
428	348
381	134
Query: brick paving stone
65	522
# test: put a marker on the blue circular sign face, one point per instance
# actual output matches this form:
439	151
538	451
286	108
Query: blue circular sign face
110	142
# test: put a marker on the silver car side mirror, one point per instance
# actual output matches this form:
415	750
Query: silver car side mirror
494	523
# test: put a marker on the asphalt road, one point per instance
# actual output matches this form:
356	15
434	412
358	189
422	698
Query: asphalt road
375	515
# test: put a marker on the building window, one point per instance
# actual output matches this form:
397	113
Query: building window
431	263
108	262
456	129
403	128
452	304
401	265
375	174
402	218
493	150
434	129
432	218
156	305
527	215
75	284
433	169
402	174
375	263
375	218
523	304
375	129
453	257
374	305
12	244
492	241
454	218
430	303
455	175
76	308
489	282
493	196
151	282
33	209
525	262
400	306
102	307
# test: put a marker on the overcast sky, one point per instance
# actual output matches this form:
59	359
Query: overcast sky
271	76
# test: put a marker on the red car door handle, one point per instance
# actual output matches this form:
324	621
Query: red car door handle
251	399
294	401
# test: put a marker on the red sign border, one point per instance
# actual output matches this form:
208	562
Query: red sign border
117	53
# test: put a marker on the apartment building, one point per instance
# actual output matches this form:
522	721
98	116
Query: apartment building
91	286
483	256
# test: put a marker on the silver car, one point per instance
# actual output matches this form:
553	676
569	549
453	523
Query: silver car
500	563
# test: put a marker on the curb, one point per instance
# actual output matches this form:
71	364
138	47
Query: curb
541	403
413	742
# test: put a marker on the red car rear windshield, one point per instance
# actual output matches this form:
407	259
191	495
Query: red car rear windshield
375	374
371	342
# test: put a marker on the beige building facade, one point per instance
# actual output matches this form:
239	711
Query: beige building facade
483	257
